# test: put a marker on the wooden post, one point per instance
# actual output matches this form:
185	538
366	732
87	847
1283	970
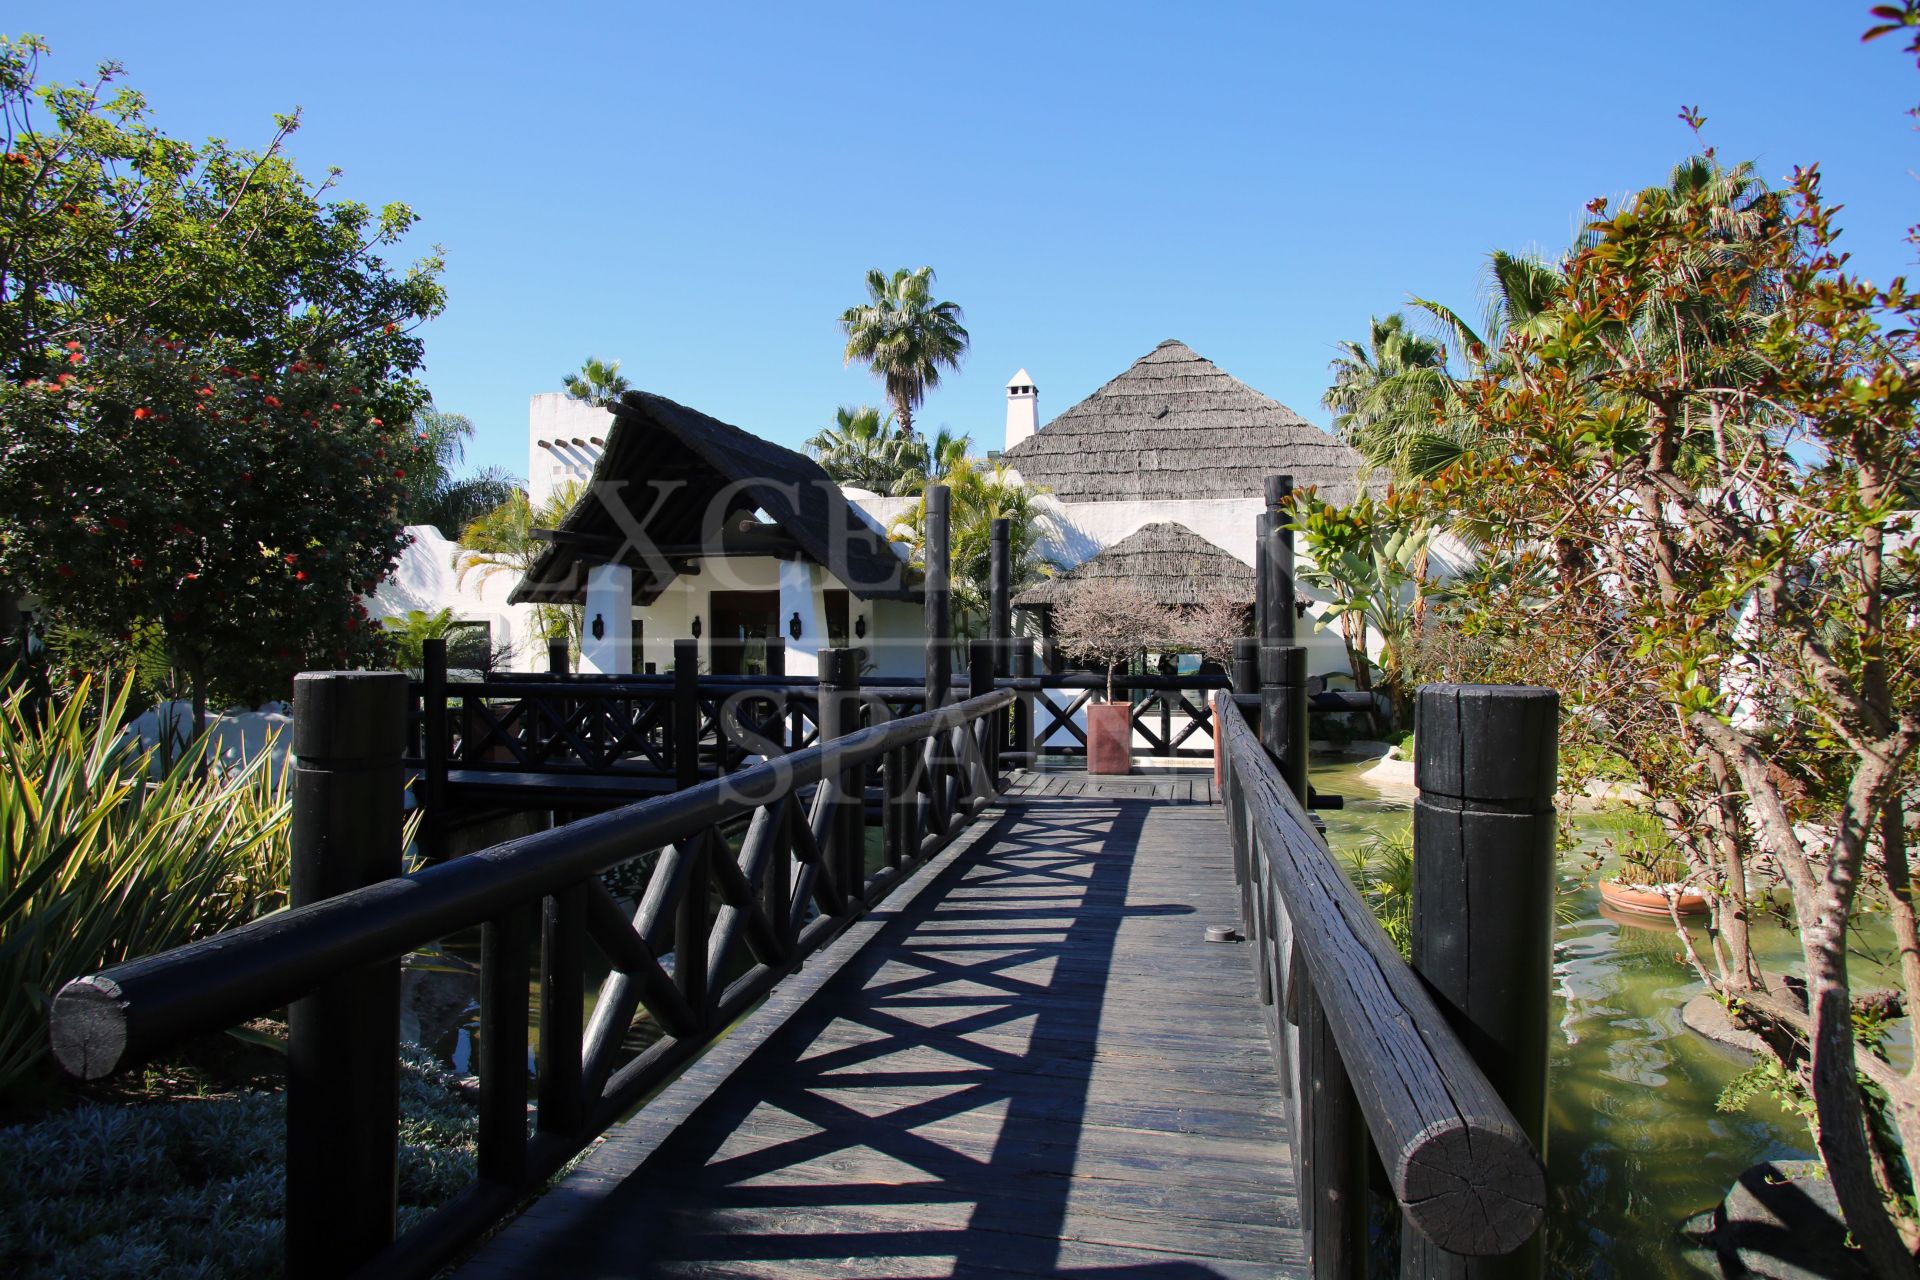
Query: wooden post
1486	764
846	851
1000	593
1026	750
557	657
563	940
939	594
343	1041
1246	674
776	656
686	714
433	750
1332	1135
1261	606
1277	627
982	661
505	944
1283	712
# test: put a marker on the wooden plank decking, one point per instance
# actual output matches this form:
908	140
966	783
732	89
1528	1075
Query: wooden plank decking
1029	1063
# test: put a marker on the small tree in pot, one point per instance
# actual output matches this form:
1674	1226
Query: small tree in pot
1105	624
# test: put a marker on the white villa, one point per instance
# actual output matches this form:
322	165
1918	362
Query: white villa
692	528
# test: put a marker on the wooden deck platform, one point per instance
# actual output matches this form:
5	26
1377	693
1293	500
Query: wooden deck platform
1027	1063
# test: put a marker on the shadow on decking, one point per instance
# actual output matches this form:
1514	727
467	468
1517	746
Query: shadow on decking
929	1111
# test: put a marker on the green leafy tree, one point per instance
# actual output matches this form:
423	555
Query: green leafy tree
1697	447
204	386
905	337
598	383
435	495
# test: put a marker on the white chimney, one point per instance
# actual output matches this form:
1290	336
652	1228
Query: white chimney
1023	408
565	437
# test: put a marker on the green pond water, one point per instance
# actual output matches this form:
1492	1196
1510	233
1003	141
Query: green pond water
1635	1144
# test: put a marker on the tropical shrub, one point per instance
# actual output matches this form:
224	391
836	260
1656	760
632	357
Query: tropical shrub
102	861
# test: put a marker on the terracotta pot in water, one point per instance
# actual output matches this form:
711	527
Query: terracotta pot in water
1109	737
1649	902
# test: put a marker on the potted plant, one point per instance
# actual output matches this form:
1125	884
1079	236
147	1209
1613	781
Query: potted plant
1647	880
1104	624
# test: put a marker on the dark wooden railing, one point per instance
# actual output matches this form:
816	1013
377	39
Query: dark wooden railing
714	931
1169	712
1372	1049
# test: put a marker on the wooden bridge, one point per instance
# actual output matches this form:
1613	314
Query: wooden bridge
915	1006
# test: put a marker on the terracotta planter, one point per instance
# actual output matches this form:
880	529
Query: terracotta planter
1649	902
1109	737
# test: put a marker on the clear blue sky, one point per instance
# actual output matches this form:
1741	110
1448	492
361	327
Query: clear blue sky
696	190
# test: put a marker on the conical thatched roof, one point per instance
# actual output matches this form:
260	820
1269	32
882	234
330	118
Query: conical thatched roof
1175	425
1169	562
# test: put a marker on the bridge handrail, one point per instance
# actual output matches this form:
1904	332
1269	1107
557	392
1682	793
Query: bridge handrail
938	769
1461	1167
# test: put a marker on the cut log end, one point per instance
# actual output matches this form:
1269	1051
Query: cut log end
1474	1191
89	1028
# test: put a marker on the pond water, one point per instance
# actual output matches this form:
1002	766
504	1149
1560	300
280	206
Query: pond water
1635	1144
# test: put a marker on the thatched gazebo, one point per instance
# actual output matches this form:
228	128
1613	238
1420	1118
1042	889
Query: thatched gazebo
1170	563
1176	426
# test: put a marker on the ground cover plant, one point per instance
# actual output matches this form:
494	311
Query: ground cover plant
196	1188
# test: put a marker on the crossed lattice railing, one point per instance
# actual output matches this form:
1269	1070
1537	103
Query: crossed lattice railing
750	873
1170	716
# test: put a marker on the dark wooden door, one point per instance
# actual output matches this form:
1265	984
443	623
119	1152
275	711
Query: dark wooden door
743	622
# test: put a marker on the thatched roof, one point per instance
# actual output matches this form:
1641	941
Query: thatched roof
1177	426
1169	562
692	485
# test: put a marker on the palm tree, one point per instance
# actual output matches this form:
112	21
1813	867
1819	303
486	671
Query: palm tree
598	383
931	461
979	494
1392	398
502	541
435	496
861	448
905	337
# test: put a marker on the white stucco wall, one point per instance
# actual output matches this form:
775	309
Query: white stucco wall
426	579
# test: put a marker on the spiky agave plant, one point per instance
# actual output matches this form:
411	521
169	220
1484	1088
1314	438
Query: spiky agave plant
105	856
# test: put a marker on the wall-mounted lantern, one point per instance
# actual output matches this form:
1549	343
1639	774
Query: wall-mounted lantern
599	627
793	625
860	627
695	628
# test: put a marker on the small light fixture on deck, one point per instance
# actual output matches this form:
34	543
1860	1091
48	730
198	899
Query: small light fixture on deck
793	625
860	627
695	628
599	627
1222	933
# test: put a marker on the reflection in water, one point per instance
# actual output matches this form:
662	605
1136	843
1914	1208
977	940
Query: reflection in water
1635	1145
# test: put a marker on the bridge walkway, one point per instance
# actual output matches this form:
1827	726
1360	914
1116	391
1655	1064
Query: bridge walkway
1026	1063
